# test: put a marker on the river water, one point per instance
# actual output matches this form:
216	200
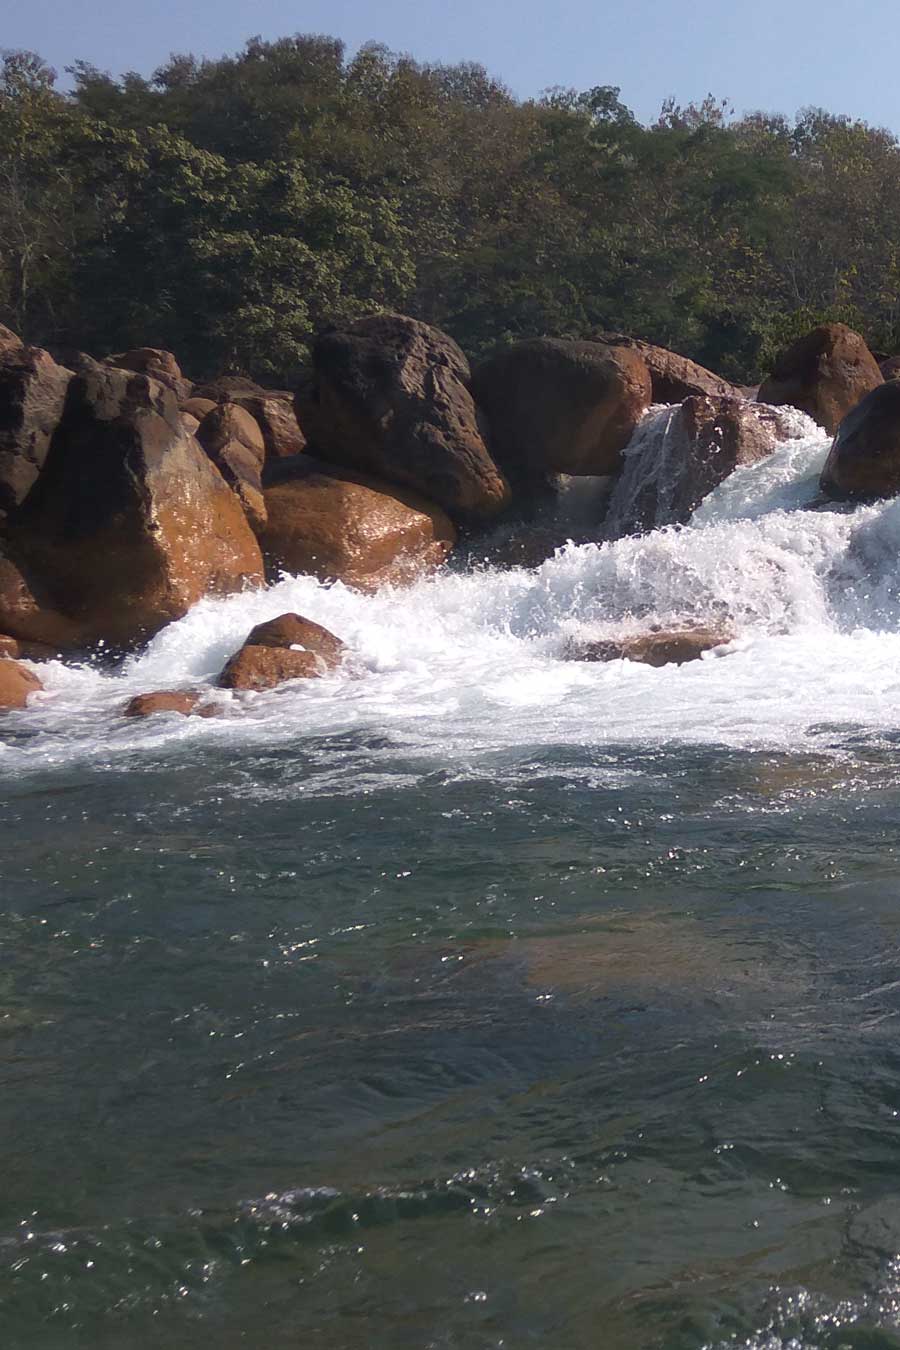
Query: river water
473	997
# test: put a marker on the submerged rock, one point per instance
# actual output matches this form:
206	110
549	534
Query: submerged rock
561	406
234	443
32	395
130	523
180	701
864	461
390	396
17	684
288	647
294	631
673	377
825	374
342	526
674	647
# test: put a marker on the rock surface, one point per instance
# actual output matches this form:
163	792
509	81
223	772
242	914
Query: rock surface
234	443
390	397
158	364
26	651
343	526
17	684
675	647
294	631
864	461
825	374
32	395
28	614
561	406
278	423
181	701
673	377
890	369
130	523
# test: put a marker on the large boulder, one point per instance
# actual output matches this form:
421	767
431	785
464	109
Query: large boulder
158	364
390	396
32	394
666	648
130	522
17	684
683	454
555	405
287	648
277	421
865	458
346	527
28	612
234	443
673	377
825	374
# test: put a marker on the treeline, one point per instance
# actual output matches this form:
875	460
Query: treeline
226	210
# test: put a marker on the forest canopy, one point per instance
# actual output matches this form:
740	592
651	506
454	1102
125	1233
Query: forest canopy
228	209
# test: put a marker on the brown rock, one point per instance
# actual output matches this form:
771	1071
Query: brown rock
32	394
824	374
8	338
699	444
292	630
265	667
226	388
181	701
345	527
278	423
234	443
560	406
890	369
130	522
28	614
17	684
189	423
26	651
673	377
158	364
390	396
652	649
198	407
865	458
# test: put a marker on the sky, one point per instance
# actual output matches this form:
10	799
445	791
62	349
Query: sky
775	56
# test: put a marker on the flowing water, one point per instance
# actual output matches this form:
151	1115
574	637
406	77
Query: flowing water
473	997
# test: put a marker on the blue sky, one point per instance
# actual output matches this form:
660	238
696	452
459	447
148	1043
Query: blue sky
776	56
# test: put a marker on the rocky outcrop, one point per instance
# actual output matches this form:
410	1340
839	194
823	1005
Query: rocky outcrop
673	377
158	364
234	443
389	396
182	701
674	647
342	526
17	684
32	394
824	374
561	406
130	523
278	423
681	454
287	648
864	462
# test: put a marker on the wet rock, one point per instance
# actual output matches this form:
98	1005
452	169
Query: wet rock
17	684
342	526
680	456
234	443
278	423
158	364
181	701
28	614
560	406
864	461
32	394
673	377
294	631
674	647
26	651
825	374
389	396
130	522
265	667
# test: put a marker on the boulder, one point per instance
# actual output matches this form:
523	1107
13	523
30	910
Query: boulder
865	458
234	443
278	423
28	614
560	406
674	647
190	424
287	648
824	374
26	651
342	526
673	378
890	369
198	407
32	394
389	396
8	338
158	364
182	701
130	522
226	388
17	684
685	453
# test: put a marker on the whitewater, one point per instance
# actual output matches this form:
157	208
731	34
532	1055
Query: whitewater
474	660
